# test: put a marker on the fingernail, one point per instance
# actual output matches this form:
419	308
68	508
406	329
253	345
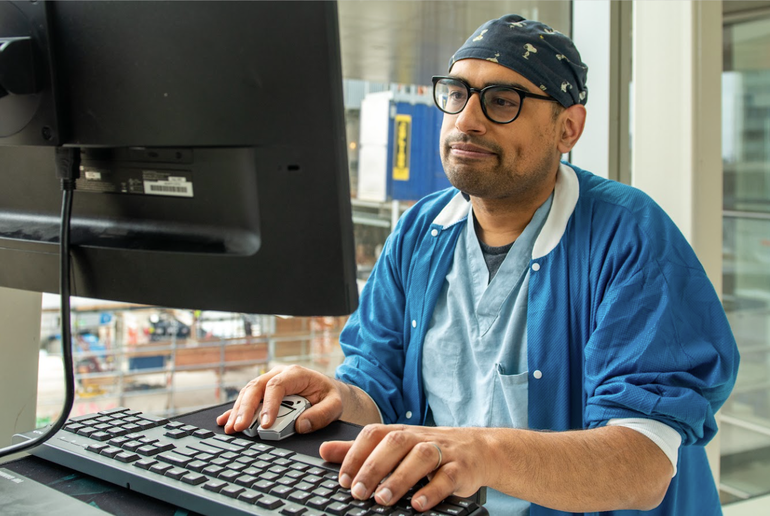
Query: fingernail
264	420
305	426
384	496
420	502
345	480
359	491
238	419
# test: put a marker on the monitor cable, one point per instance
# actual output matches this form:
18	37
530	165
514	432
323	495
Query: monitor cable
67	170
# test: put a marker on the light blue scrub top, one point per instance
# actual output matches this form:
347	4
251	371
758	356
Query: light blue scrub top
475	353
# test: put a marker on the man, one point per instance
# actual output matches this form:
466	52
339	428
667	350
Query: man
537	329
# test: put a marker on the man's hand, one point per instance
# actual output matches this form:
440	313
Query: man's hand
402	455
602	469
271	387
330	400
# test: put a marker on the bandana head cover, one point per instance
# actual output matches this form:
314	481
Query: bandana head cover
541	54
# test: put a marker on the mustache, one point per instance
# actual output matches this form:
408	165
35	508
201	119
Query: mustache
472	140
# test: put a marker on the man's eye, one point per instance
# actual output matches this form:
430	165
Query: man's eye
505	101
456	96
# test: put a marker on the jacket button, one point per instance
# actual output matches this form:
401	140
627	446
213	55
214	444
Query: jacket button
414	324
434	232
535	267
537	374
408	414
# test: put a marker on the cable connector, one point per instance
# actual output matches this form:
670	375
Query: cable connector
68	166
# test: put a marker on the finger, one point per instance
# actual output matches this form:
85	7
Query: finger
391	449
421	459
319	415
223	418
368	438
334	451
440	486
274	393
246	404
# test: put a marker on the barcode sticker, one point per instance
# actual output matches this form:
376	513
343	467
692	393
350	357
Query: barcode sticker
175	188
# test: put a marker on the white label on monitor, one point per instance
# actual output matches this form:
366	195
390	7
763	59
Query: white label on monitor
174	186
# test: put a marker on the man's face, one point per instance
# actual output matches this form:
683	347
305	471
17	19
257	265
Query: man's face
494	161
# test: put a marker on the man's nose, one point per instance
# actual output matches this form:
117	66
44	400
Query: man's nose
472	119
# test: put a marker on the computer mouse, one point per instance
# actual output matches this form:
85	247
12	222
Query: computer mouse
291	407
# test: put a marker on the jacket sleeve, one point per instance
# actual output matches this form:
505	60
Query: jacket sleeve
661	346
373	339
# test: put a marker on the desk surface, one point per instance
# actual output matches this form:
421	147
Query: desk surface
120	501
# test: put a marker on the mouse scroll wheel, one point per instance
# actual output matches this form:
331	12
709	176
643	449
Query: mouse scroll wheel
287	404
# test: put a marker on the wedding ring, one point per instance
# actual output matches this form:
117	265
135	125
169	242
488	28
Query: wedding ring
440	456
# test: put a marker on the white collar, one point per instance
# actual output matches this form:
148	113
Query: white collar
565	197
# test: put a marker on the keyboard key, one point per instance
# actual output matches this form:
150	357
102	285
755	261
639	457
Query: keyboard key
222	445
318	502
96	448
203	434
337	508
194	478
214	485
246	480
322	491
355	511
293	510
155	420
73	427
231	491
249	496
212	470
451	510
148	450
174	458
229	475
100	436
281	491
145	463
280	452
176	434
110	451
210	450
176	473
269	502
160	467
224	438
126	457
80	419
173	425
197	465
263	485
300	496
113	412
287	481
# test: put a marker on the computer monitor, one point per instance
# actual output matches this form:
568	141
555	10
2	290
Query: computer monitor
213	153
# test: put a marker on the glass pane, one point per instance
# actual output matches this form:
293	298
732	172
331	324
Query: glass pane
745	437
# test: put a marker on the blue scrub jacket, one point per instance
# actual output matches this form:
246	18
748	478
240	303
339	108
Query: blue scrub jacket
622	322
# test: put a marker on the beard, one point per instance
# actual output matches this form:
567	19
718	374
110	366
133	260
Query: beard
500	176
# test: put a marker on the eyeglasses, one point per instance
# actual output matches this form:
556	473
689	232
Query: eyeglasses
500	104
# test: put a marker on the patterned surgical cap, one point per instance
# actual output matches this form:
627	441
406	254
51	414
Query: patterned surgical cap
543	55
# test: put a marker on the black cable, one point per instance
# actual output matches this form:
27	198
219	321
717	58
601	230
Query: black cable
68	170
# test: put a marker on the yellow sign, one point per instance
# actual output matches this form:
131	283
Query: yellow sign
402	147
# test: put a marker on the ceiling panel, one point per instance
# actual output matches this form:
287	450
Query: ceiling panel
409	41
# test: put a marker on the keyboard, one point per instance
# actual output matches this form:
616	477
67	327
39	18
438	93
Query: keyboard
213	474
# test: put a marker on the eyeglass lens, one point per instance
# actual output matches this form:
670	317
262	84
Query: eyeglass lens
499	103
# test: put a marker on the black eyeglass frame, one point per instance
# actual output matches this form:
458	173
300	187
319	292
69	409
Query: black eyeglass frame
523	94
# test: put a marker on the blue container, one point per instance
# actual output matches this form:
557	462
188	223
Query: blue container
414	163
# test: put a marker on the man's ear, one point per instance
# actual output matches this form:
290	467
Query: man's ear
571	122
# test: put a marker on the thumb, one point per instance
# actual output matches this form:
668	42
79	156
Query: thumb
335	451
316	417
